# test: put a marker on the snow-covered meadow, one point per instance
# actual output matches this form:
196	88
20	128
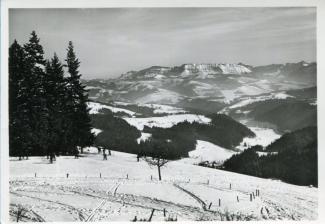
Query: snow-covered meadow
95	108
165	121
264	137
121	188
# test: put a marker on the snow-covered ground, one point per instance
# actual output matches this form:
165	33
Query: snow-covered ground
206	151
165	121
144	136
96	107
264	137
244	101
96	131
157	108
163	109
161	95
121	188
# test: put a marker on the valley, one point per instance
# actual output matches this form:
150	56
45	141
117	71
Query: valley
205	115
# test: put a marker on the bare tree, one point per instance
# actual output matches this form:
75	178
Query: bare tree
20	212
158	154
159	162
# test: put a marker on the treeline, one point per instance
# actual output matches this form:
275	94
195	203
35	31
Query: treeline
294	159
48	113
222	130
178	140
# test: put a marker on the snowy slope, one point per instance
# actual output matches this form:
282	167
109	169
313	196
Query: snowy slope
233	69
244	101
96	131
161	96
166	121
205	70
163	109
96	107
126	190
206	151
144	137
264	137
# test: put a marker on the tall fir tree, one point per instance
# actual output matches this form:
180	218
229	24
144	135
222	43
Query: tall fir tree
77	101
48	112
20	134
38	112
55	86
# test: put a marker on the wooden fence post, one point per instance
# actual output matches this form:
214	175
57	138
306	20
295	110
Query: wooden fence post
230	186
152	211
250	197
237	198
219	202
164	212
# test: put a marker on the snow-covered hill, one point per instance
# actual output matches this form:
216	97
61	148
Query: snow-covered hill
208	152
121	188
216	83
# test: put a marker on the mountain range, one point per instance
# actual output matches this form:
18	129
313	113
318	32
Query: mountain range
194	85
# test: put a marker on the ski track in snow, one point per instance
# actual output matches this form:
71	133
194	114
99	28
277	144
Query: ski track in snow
84	196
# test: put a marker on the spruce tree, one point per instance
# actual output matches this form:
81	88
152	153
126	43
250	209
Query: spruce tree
36	94
55	95
19	126
77	103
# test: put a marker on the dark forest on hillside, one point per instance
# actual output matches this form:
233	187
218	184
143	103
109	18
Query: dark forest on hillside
294	160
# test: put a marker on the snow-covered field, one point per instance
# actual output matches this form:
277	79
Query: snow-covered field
95	108
264	137
161	95
244	101
157	108
163	109
126	189
144	136
166	121
206	151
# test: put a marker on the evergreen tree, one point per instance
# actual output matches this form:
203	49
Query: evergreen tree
19	127
48	112
55	93
36	95
77	102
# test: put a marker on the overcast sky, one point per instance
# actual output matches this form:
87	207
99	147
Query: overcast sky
109	42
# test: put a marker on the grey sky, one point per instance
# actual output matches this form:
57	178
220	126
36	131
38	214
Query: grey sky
113	41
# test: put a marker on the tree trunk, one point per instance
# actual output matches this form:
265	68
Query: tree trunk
159	172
